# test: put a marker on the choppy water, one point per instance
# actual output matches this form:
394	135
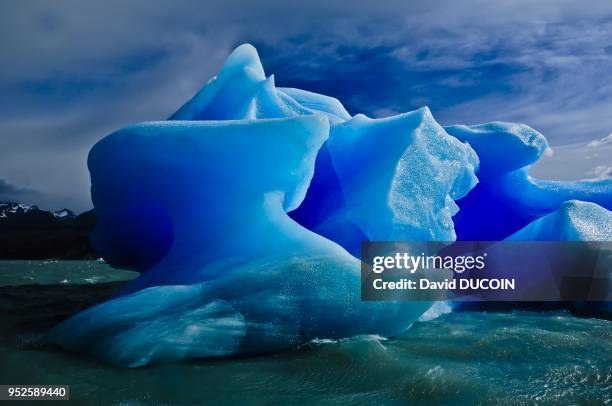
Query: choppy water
20	273
468	357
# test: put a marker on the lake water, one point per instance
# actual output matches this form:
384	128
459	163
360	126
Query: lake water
514	357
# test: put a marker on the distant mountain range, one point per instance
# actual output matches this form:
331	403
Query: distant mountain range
26	232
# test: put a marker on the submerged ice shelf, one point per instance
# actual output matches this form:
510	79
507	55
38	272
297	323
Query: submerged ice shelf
245	210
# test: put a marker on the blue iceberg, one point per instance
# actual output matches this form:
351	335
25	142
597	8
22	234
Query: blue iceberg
245	210
240	276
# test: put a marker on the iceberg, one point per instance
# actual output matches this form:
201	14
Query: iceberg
245	210
240	276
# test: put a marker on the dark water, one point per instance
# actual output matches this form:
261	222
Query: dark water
469	357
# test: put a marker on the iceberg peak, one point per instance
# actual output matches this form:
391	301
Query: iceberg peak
244	56
228	96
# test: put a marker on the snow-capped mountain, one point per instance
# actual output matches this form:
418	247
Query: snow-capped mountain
27	232
11	209
64	214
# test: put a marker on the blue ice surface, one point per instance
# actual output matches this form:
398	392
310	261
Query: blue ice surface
240	276
244	212
573	221
394	178
507	198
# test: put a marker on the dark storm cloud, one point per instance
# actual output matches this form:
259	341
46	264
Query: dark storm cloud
74	71
11	193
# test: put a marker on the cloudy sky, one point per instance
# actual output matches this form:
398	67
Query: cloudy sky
73	71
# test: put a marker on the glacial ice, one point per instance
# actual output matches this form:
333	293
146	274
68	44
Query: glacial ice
245	210
507	198
239	276
394	178
573	221
398	203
